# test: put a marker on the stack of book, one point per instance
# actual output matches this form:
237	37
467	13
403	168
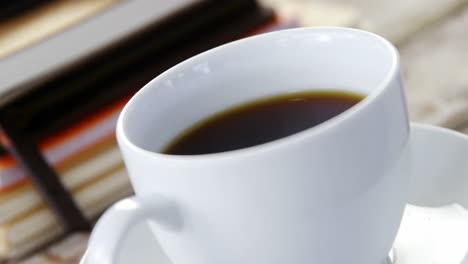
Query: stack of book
86	158
66	70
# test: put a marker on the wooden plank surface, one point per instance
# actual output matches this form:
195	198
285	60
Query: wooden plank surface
432	39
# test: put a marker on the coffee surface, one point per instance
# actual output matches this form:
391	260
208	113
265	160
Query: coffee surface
260	121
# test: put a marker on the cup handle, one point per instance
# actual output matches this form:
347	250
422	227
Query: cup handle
113	226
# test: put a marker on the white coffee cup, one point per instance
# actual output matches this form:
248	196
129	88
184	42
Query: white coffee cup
332	194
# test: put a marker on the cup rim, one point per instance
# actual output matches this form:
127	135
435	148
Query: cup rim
278	143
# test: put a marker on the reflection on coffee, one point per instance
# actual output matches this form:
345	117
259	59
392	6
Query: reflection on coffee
261	121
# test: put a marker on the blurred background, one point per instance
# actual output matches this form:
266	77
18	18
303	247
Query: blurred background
67	67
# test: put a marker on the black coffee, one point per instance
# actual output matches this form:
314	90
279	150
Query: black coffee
261	121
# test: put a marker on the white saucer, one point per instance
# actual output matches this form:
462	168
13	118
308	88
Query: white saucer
435	225
434	229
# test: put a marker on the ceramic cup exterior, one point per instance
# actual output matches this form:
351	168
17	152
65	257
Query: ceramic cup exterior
331	194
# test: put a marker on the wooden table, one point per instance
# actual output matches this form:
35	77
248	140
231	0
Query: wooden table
431	36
